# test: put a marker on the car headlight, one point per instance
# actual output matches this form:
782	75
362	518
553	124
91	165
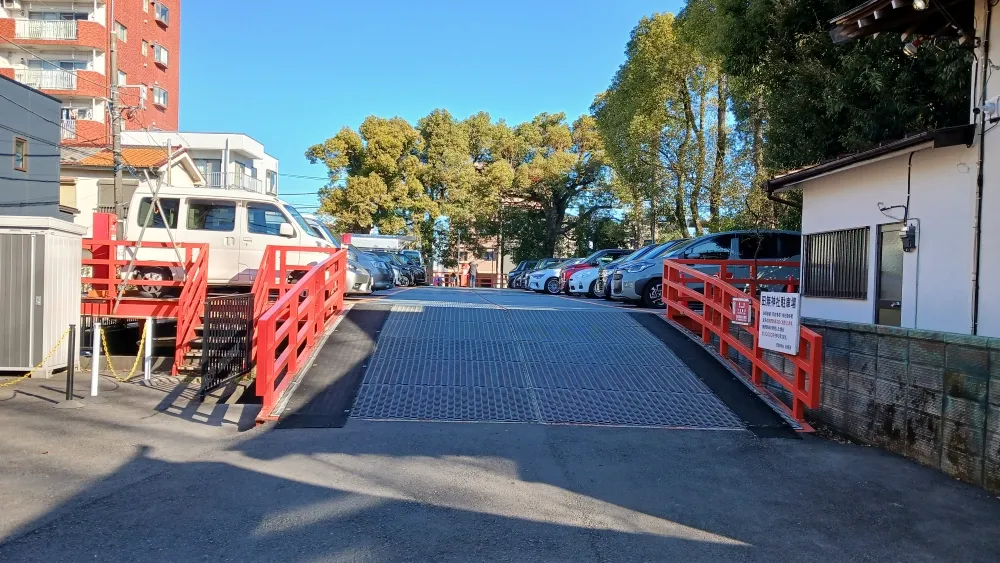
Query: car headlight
639	267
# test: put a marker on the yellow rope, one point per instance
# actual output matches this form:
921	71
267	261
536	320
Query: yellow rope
135	365
41	363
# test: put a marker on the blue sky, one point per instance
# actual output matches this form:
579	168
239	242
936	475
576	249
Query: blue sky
292	75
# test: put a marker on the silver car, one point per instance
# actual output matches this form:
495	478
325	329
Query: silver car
642	280
359	280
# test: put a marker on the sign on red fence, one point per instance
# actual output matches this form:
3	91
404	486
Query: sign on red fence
741	310
779	322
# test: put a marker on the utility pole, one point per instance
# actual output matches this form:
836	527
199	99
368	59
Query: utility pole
116	127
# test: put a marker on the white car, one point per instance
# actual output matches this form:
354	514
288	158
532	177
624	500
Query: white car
547	280
584	282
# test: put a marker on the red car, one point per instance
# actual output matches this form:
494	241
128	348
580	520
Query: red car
593	261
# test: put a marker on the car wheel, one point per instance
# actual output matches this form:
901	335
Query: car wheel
404	281
652	294
607	290
552	286
155	275
592	292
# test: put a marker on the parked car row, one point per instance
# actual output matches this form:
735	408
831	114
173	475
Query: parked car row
375	270
636	276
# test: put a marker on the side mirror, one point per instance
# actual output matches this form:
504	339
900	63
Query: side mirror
286	230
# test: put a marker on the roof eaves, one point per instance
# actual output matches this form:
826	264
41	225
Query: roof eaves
945	137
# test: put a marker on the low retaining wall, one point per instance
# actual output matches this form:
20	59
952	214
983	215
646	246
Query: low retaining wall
930	396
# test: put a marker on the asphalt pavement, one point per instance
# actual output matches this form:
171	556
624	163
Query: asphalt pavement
140	484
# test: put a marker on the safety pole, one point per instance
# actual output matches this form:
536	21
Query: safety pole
148	361
95	357
70	362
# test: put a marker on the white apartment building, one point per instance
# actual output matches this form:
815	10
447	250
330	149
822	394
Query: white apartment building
225	160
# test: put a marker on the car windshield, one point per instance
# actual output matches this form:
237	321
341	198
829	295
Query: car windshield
325	233
298	218
542	264
664	249
638	253
679	247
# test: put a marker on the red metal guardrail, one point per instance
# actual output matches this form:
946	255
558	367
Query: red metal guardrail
288	329
681	283
107	286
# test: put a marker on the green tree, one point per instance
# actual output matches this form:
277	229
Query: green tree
800	99
663	120
374	176
559	165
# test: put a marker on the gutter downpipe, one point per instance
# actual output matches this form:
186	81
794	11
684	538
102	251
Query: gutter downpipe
977	219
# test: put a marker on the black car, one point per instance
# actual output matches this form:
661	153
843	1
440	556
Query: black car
514	275
415	273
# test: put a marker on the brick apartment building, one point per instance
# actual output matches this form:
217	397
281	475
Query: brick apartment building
63	48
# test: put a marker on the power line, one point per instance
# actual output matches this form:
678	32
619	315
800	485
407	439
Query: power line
57	67
325	179
61	126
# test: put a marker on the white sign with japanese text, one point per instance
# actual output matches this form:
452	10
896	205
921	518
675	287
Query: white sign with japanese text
778	324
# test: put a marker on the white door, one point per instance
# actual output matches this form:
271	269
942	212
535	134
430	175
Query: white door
261	229
214	221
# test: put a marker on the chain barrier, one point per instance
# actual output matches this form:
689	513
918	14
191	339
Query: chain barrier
41	363
135	365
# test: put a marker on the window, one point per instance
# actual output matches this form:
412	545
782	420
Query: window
298	217
122	78
20	154
264	219
62	65
211	169
170	207
145	48
58	16
211	215
463	256
160	54
836	265
121	32
272	181
160	96
161	13
490	255
715	248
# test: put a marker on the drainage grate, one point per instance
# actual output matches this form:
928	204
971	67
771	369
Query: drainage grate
608	377
446	349
634	408
466	363
446	372
420	402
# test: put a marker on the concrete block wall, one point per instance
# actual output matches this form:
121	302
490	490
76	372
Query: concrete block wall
930	396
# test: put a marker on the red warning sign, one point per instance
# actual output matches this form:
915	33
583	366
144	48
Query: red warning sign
741	310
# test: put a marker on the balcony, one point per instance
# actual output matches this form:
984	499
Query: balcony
46	79
236	181
45	30
68	130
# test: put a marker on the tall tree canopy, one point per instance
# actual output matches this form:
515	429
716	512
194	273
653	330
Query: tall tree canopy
664	121
447	180
805	99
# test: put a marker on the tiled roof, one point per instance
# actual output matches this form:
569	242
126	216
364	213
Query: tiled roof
102	157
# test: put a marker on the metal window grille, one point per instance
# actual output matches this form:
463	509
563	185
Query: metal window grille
836	264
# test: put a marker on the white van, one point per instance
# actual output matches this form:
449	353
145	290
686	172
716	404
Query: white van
237	225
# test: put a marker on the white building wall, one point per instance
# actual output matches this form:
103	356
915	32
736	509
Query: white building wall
989	273
937	286
241	148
